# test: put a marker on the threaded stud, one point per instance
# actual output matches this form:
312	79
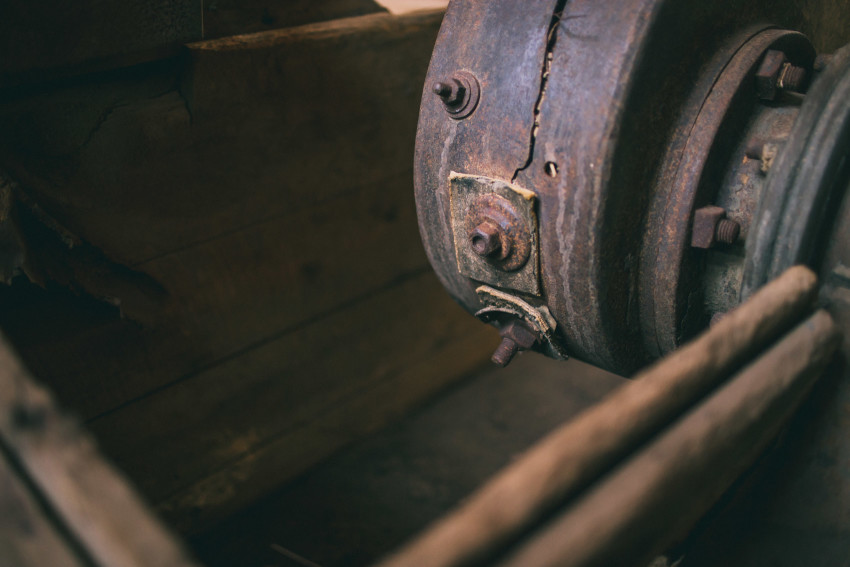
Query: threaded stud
727	231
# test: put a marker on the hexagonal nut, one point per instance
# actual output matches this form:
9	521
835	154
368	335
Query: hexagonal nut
767	76
520	334
705	226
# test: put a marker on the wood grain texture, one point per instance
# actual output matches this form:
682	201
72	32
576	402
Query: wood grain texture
139	168
654	498
271	205
245	211
367	499
239	429
40	40
103	519
27	536
229	17
578	452
228	295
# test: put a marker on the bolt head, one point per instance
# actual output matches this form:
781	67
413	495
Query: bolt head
486	239
442	90
451	91
519	334
515	337
767	76
504	352
459	93
705	226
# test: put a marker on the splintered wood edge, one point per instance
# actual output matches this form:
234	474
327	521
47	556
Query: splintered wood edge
104	519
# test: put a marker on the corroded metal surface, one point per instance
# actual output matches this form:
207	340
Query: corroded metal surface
690	177
502	308
806	178
681	157
460	94
495	232
622	123
706	229
503	44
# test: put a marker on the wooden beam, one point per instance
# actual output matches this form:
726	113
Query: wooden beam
224	18
241	195
578	452
654	498
28	538
48	39
252	222
218	439
102	520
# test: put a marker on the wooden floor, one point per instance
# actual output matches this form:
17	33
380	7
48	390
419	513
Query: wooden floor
373	496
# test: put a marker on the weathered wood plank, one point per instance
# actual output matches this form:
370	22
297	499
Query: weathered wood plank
251	210
360	504
256	130
27	537
654	498
229	17
233	292
575	454
39	39
244	287
273	206
92	502
240	428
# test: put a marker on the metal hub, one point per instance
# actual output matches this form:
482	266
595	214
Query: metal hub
654	164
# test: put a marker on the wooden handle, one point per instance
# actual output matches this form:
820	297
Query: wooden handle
575	454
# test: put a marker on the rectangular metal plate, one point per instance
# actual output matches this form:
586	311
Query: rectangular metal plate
467	193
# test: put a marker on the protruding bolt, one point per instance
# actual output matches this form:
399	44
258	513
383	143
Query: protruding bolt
792	78
505	352
460	93
515	336
451	91
443	90
776	74
727	231
763	151
711	226
486	239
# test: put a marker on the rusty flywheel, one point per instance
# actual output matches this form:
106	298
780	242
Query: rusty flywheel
602	183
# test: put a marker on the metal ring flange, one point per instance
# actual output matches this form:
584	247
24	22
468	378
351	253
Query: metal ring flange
811	169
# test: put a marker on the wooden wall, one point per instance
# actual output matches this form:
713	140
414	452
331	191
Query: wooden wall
234	281
47	39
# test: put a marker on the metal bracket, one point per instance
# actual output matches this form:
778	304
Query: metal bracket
495	232
501	305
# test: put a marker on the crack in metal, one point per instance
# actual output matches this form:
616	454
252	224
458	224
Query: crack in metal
551	40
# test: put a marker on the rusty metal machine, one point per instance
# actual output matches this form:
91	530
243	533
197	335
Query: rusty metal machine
606	181
601	180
